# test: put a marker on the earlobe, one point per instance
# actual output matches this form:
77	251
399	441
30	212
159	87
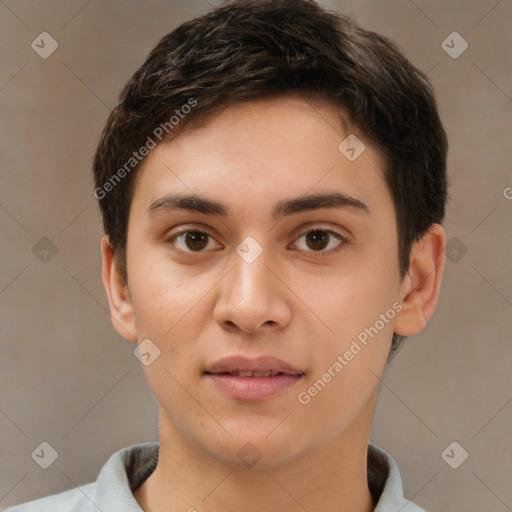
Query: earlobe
121	309
421	286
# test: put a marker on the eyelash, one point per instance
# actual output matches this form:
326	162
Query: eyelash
332	234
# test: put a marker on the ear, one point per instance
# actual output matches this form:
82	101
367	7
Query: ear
121	309
419	291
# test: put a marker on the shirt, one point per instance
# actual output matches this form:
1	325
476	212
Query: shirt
127	469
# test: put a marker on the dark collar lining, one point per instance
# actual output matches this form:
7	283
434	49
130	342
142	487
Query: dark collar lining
140	464
378	471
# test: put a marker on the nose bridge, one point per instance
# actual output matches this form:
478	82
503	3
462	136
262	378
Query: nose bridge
251	275
249	297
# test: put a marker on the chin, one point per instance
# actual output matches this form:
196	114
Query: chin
255	450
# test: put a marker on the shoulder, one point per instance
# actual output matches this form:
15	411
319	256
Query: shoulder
125	470
79	499
386	480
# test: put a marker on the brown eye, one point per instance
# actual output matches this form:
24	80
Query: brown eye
193	241
323	241
196	241
317	240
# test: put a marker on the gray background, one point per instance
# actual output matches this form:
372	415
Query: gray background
67	377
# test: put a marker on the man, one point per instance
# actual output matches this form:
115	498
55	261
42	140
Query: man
272	185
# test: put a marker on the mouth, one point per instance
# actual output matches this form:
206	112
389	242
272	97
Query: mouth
252	379
248	373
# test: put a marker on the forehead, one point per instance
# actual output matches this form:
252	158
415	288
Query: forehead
262	151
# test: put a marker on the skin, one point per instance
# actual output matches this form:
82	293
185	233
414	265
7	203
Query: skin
298	301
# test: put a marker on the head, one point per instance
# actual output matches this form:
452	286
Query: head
249	106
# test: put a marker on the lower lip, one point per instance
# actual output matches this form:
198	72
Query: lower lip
253	388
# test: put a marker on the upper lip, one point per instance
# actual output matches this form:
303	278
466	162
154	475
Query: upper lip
235	364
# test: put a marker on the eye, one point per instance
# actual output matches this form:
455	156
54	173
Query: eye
319	240
193	241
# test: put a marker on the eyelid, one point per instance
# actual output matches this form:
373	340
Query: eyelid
339	231
186	228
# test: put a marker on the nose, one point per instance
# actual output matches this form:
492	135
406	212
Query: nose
251	298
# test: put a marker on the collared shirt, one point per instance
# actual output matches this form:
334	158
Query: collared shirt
127	469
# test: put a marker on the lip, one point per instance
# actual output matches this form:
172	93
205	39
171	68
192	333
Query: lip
225	375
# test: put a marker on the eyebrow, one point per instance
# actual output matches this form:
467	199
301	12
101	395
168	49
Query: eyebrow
308	202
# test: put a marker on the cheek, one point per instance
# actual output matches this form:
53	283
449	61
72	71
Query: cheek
348	368
346	301
163	298
353	336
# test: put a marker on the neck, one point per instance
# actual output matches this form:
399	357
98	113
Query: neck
331	478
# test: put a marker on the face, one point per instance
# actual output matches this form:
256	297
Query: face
254	246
